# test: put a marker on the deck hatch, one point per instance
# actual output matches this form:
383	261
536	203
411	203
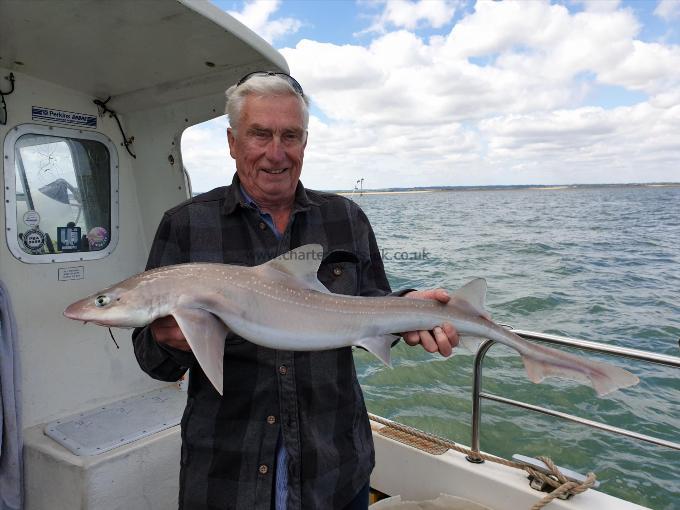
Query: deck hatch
119	423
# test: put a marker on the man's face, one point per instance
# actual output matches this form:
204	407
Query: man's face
269	148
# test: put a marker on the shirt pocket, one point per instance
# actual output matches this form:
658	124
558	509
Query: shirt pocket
339	272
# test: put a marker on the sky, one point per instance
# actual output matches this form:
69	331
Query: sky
412	93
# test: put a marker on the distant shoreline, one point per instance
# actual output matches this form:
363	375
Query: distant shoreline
519	187
505	187
380	192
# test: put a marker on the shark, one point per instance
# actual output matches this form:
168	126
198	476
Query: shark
281	304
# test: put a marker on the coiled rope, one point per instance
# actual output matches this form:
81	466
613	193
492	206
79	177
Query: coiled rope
555	479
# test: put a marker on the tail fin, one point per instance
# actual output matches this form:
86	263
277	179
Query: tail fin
603	377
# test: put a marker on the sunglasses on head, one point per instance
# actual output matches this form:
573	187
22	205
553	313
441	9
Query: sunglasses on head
292	81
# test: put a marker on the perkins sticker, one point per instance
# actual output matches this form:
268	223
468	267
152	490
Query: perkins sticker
63	117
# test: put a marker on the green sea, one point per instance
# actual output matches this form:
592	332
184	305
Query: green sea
600	264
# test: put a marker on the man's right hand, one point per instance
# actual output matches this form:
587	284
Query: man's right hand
166	331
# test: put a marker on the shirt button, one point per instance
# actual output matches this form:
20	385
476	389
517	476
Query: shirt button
271	420
283	370
337	270
263	469
263	225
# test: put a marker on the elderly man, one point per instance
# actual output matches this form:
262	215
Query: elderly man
291	430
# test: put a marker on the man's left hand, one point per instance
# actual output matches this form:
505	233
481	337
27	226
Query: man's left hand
441	339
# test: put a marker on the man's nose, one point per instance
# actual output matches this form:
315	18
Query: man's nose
275	149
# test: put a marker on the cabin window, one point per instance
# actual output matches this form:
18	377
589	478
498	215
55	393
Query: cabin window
205	155
61	194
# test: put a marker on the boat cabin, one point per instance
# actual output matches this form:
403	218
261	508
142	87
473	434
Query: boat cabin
95	98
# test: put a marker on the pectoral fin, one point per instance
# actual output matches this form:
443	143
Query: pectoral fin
379	346
205	334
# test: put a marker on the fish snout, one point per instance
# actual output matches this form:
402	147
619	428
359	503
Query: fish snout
74	311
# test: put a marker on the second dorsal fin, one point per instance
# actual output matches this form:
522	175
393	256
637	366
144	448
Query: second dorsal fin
474	292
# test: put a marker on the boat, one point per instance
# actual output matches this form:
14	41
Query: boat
95	96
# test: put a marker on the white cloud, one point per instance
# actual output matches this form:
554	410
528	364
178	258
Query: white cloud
668	9
256	16
413	14
503	90
589	143
504	97
205	154
650	67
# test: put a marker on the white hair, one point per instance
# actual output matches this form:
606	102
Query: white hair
263	86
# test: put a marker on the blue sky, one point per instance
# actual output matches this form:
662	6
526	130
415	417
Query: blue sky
343	21
448	92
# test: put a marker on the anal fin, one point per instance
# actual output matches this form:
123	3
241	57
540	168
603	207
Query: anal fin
470	343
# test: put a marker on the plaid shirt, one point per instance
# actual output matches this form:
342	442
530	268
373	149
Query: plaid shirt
229	443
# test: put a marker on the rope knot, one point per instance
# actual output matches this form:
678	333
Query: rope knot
561	486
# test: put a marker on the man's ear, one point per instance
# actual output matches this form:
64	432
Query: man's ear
231	139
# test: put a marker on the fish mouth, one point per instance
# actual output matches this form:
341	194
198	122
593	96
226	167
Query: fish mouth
75	317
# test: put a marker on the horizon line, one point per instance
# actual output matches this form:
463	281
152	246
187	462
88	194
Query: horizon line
452	187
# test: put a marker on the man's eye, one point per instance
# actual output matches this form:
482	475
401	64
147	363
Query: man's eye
291	137
261	135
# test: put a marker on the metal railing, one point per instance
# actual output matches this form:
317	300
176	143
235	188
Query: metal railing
478	394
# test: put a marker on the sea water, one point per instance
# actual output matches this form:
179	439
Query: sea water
600	264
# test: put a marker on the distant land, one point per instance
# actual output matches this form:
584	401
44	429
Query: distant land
505	187
498	187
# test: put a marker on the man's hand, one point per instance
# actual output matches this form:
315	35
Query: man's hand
166	331
445	336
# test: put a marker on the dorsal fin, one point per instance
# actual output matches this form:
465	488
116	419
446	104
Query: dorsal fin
474	292
301	263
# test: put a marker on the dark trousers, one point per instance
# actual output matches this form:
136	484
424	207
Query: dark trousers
360	501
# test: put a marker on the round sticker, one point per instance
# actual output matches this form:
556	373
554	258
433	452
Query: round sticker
31	218
97	238
34	239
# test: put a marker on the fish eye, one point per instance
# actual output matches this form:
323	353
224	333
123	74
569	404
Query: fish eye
102	300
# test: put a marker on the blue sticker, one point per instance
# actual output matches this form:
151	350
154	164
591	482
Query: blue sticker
68	238
63	117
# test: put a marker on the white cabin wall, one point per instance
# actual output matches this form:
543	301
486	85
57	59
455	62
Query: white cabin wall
67	367
157	135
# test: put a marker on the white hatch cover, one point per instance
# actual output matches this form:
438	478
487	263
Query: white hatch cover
119	423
